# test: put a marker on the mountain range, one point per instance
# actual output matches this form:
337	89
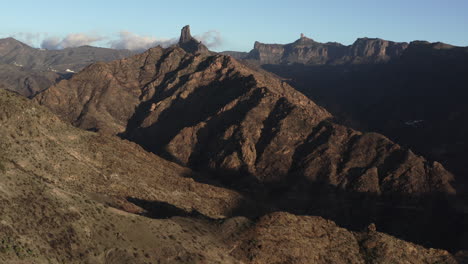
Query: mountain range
309	52
183	155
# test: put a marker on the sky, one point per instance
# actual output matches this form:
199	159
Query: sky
230	25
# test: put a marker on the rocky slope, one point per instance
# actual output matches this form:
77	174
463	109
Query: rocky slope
61	185
27	70
309	52
72	196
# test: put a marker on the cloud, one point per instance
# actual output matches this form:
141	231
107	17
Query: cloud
211	39
29	38
70	41
123	40
132	41
51	43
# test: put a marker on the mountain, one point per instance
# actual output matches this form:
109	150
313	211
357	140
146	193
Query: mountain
43	68
73	196
238	55
258	135
309	52
73	59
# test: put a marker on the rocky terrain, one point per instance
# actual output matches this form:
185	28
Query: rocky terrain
254	133
73	196
28	70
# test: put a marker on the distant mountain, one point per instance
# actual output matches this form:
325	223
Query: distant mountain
17	53
239	55
309	52
27	70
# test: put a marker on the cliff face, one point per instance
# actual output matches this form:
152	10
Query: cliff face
308	51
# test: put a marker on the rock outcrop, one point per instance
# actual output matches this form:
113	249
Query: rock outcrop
189	43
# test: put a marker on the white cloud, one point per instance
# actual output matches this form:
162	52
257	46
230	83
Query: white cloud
132	41
50	43
32	39
70	41
211	39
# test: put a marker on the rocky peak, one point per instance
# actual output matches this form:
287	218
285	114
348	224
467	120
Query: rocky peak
189	43
185	35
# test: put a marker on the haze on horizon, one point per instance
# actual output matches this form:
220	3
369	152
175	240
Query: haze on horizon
231	25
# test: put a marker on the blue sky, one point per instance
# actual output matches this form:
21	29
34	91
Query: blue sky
239	23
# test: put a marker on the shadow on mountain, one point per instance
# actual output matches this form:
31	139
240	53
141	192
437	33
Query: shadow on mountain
428	220
155	137
163	210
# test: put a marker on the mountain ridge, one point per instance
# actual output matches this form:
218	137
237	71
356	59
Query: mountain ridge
28	70
156	86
